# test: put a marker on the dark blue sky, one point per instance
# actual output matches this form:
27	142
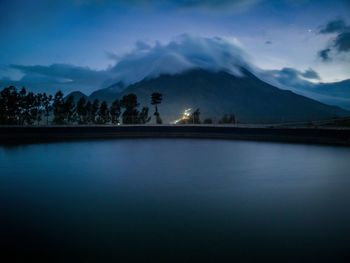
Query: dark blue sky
92	33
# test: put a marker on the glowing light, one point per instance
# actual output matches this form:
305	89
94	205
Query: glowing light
185	116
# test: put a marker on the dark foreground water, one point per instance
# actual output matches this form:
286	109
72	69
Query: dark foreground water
174	200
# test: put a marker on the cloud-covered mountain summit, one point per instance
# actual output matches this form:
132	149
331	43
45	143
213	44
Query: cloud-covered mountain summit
150	60
144	61
187	52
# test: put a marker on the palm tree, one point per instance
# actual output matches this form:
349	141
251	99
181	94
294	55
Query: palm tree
156	98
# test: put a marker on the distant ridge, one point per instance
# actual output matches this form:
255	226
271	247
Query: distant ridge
77	95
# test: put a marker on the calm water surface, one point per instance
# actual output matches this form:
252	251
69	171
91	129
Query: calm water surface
175	200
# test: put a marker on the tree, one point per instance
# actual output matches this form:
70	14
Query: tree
228	119
208	121
103	114
88	108
130	115
29	113
81	111
115	112
94	109
194	118
69	109
3	109
37	108
47	106
58	108
156	99
22	106
9	105
143	117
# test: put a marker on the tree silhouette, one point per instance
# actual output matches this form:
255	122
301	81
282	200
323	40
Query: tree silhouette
130	115
208	121
156	99
194	118
81	111
9	100
103	113
143	117
88	108
58	108
69	109
29	112
94	109
37	109
47	106
22	106
228	119
115	112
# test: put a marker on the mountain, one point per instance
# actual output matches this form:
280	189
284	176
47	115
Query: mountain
77	95
219	93
108	94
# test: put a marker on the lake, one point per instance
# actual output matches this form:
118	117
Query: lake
175	200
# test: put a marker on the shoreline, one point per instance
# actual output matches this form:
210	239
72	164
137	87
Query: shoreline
35	134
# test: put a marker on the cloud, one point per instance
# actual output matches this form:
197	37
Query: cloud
340	44
184	53
146	61
334	26
143	61
324	54
289	78
310	74
55	77
291	73
211	5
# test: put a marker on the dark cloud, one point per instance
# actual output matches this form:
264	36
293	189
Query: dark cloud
268	42
324	54
340	43
310	74
289	77
294	74
334	26
184	4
